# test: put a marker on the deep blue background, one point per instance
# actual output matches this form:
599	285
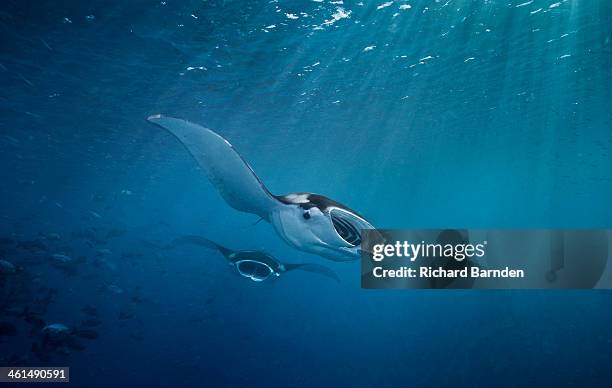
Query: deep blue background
448	114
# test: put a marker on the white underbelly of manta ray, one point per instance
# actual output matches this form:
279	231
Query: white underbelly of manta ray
309	222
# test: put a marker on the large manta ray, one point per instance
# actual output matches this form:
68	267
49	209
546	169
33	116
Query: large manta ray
309	222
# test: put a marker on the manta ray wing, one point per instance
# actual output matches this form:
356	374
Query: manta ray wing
315	268
225	168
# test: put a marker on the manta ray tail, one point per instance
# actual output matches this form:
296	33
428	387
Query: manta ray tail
226	169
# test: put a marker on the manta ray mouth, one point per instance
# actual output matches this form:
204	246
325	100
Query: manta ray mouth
345	229
254	270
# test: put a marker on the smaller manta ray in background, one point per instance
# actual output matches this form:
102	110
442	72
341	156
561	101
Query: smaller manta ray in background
254	265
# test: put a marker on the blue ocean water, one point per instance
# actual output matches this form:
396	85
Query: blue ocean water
418	114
